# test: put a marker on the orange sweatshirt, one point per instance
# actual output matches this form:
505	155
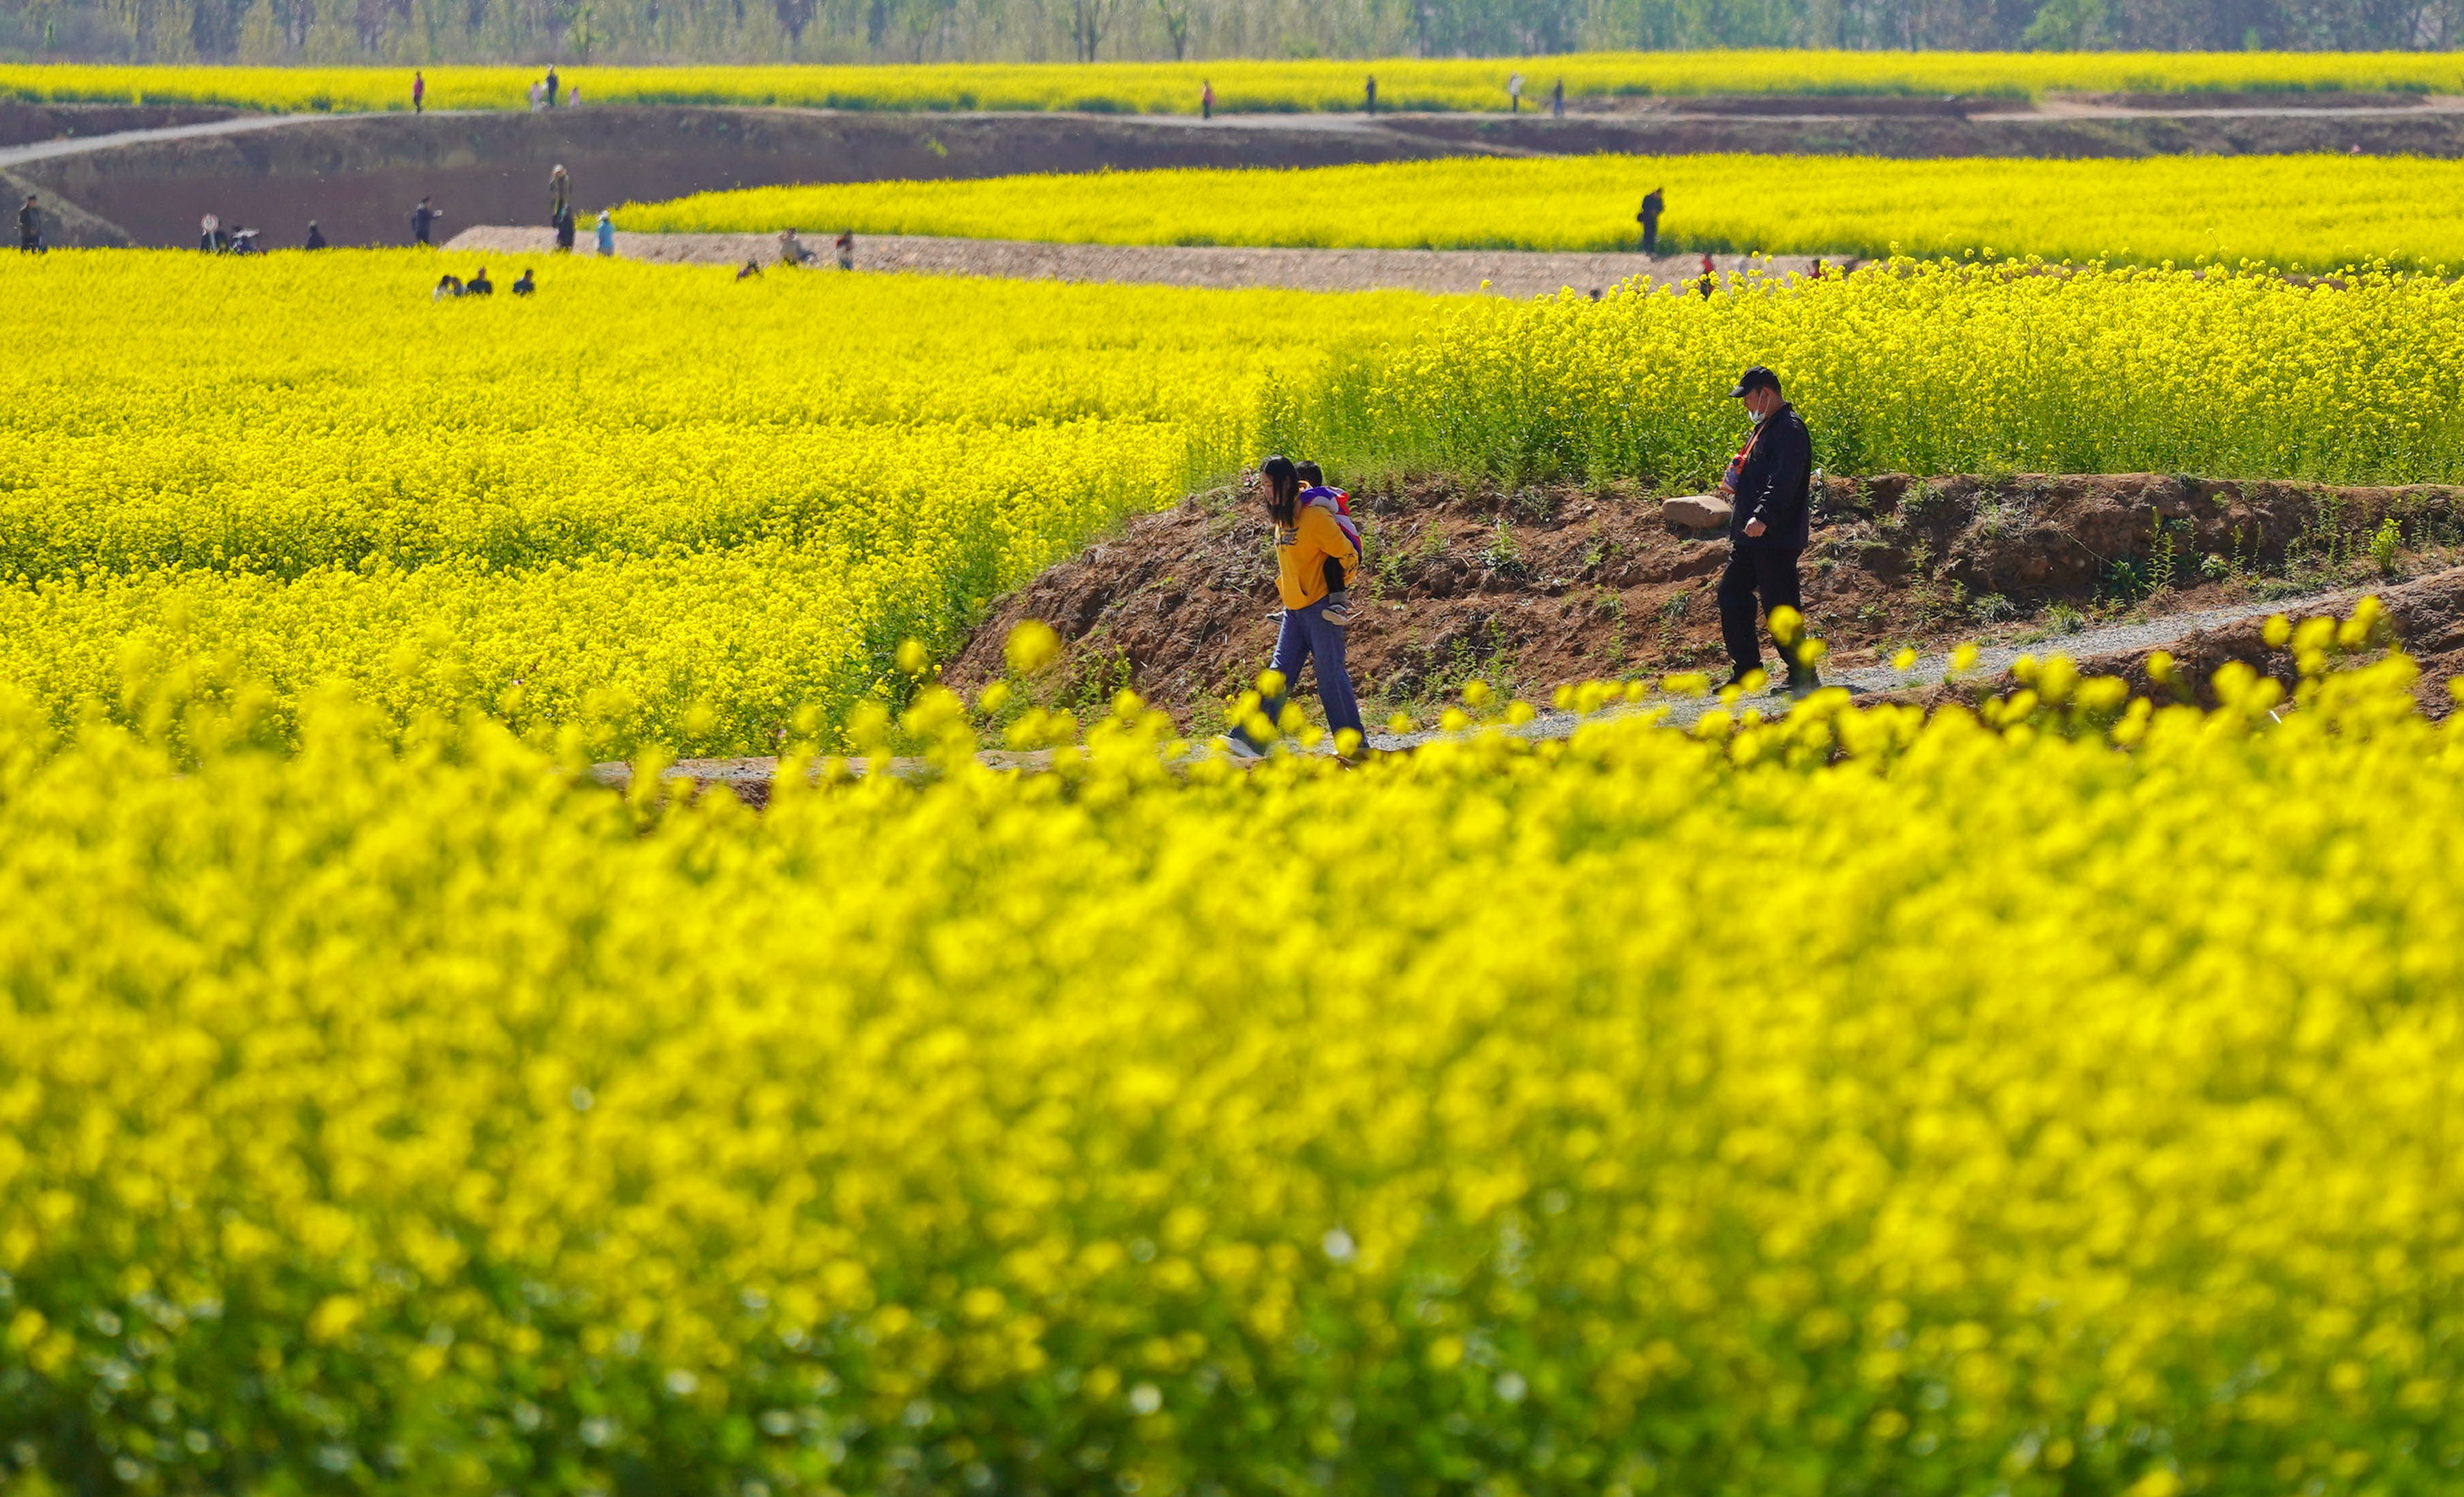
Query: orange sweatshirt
1301	553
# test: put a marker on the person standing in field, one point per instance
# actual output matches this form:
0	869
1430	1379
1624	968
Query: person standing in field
1767	484
1206	102
1371	106
422	219
535	94
1557	99
1709	279
607	234
845	247
1306	537
551	85
209	234
1515	92
1649	219
559	207
29	227
418	92
316	237
791	250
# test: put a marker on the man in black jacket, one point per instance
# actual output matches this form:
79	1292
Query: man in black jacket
1766	488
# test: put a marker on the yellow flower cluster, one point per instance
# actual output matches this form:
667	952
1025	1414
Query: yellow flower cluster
649	502
1920	367
1257	86
1851	1104
2313	211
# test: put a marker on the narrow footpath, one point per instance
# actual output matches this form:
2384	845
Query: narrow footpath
1503	273
2424	613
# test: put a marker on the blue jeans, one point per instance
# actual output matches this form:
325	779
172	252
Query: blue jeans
1307	634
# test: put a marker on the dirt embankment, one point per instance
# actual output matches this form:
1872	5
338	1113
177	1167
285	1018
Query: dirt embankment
360	176
1535	586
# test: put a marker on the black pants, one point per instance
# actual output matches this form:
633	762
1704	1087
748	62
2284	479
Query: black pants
1756	571
1651	236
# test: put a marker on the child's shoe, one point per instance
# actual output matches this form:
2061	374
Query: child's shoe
1338	610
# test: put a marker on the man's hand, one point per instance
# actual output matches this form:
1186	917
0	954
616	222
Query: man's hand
1755	527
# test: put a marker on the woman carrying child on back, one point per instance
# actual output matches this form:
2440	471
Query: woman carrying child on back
1310	550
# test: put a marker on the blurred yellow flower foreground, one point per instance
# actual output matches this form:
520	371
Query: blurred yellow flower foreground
2066	1105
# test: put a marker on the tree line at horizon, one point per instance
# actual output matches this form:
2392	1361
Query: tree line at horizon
342	32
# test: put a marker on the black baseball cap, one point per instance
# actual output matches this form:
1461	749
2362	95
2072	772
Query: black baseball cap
1756	377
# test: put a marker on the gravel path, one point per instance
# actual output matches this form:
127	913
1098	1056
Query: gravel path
753	775
1504	272
80	145
1991	660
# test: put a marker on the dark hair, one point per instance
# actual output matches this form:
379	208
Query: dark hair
1283	490
1309	473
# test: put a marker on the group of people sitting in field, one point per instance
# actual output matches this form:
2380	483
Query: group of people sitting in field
451	286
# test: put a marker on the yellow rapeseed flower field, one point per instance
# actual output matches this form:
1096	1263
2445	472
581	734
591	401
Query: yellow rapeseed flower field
2052	1103
1298	85
1924	368
2318	211
648	504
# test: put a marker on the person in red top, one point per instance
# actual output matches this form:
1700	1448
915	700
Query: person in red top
418	92
1306	538
1206	102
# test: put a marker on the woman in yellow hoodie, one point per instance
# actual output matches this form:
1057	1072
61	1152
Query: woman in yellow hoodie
1306	538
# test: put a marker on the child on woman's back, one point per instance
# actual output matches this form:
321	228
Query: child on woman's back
1337	503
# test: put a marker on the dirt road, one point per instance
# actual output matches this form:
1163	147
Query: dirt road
1502	273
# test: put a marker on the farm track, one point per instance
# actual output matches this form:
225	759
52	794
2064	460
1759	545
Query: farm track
2427	613
1504	272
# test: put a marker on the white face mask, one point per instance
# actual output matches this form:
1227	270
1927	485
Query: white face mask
1756	416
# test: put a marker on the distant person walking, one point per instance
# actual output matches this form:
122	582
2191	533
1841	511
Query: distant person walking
1767	484
479	285
29	227
1515	92
791	250
559	207
316	237
551	85
845	246
418	92
1709	279
1370	107
1206	102
209	234
1306	537
536	86
423	219
573	95
1557	99
607	234
1649	219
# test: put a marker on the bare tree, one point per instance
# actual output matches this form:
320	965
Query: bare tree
1089	21
1176	26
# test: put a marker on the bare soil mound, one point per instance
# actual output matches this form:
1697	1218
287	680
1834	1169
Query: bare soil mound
1532	586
